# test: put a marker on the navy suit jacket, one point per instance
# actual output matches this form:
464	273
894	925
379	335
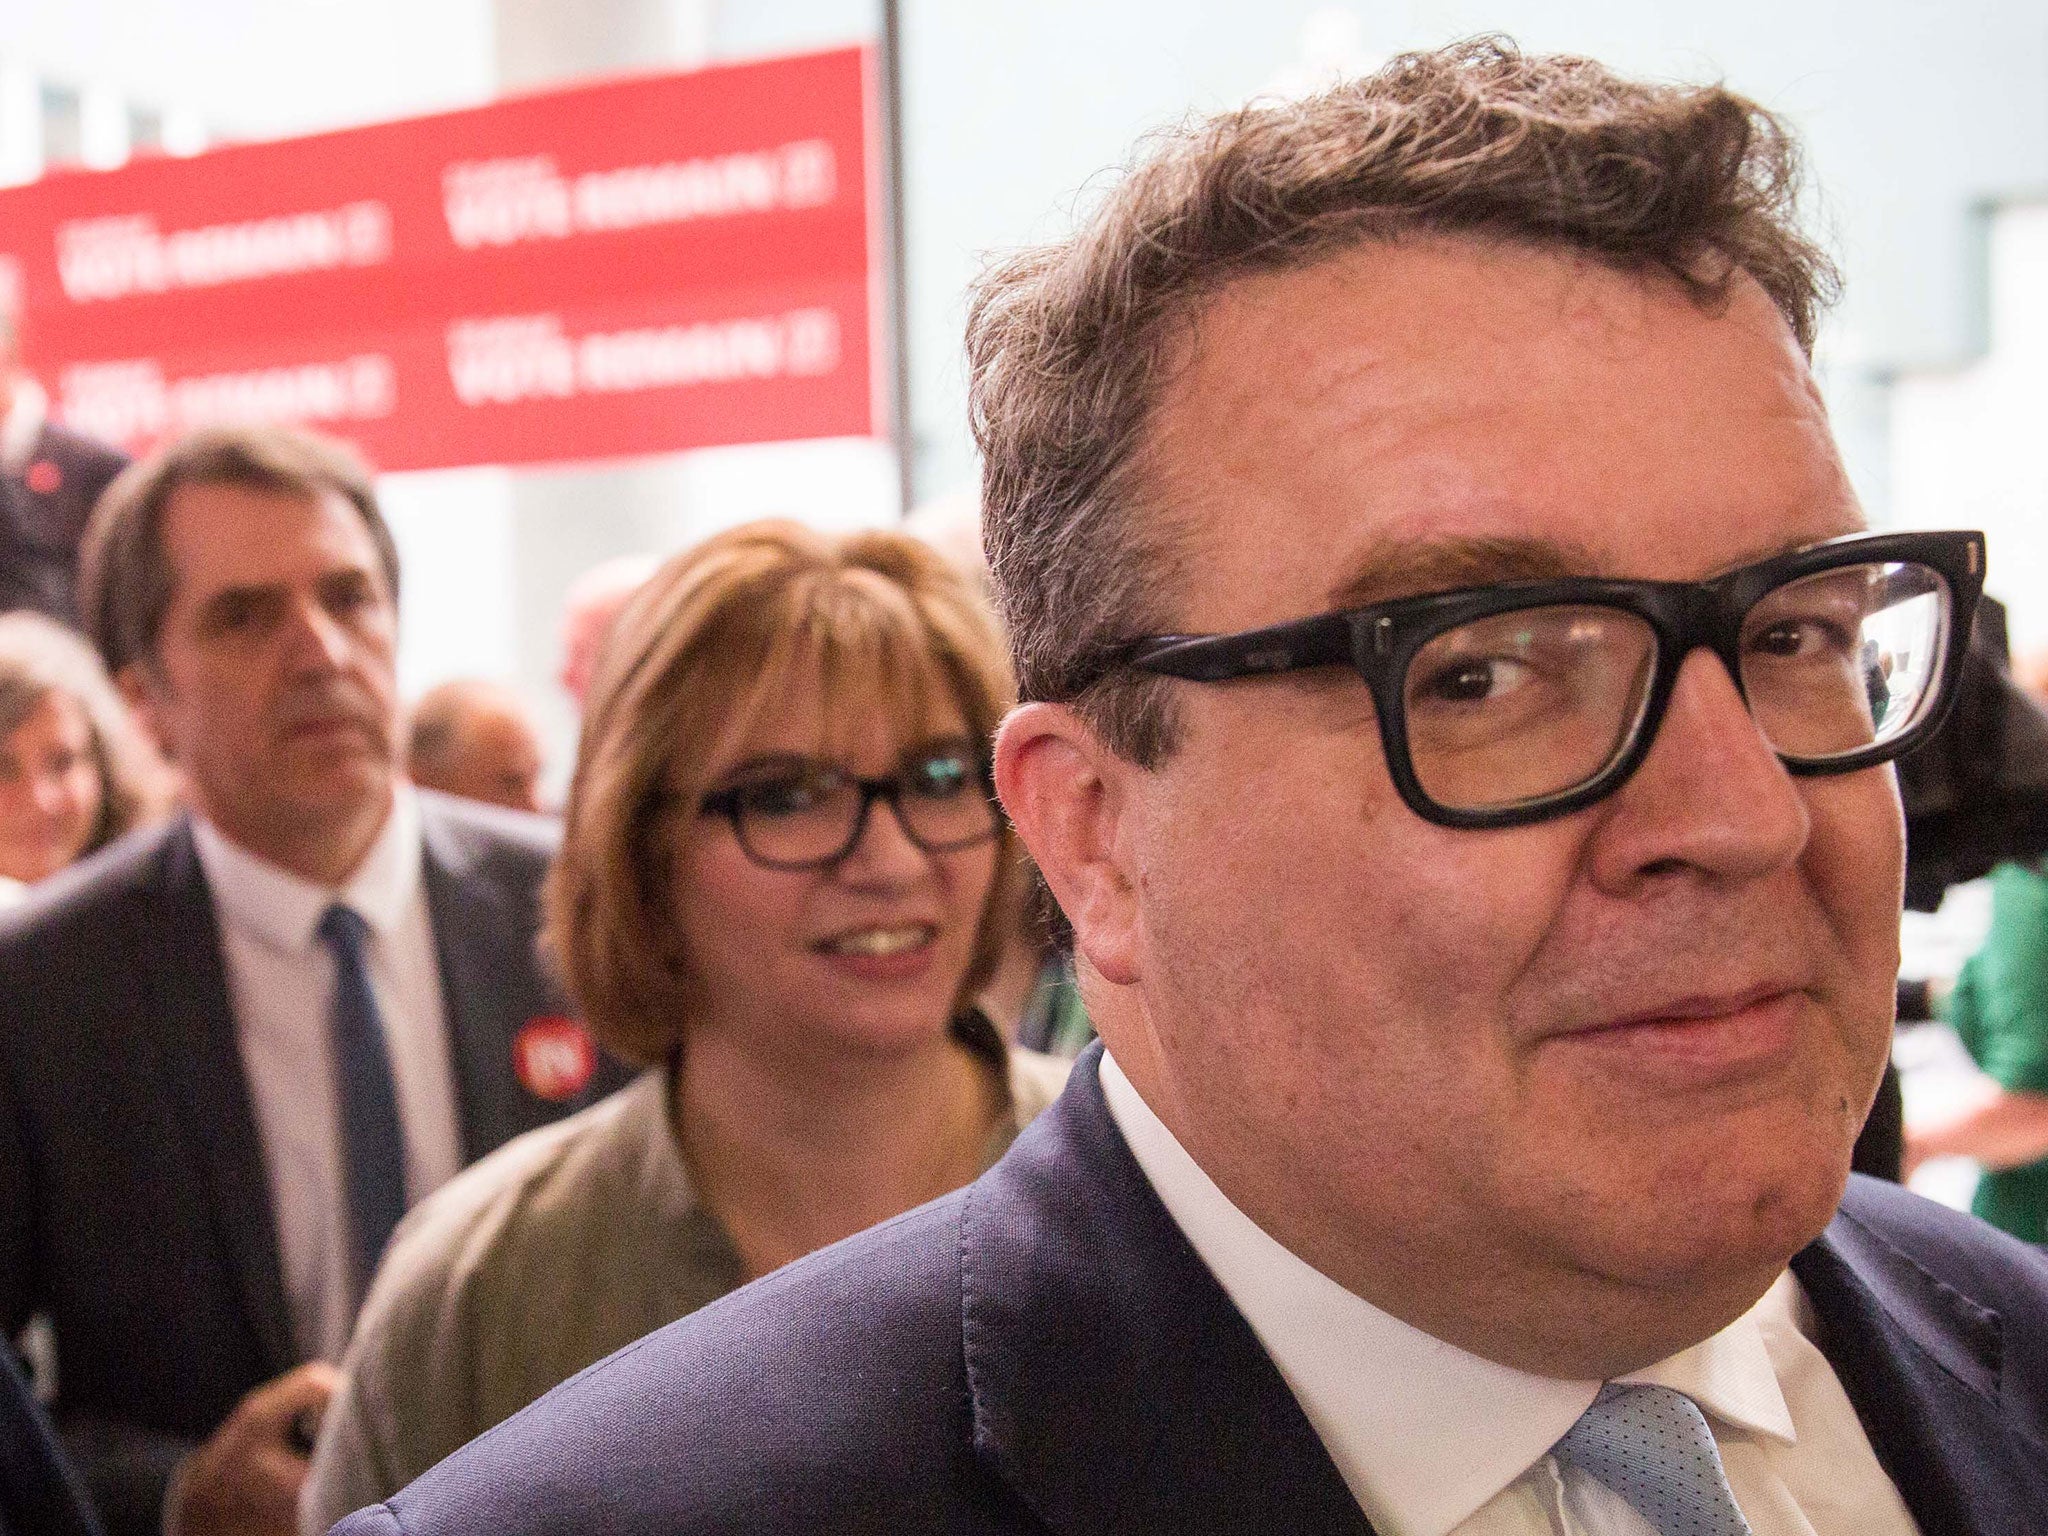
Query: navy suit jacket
134	1203
1043	1351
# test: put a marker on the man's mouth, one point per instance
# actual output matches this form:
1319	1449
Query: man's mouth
1698	1038
879	940
1698	1007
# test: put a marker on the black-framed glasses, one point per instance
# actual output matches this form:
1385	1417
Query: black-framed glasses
1512	703
797	813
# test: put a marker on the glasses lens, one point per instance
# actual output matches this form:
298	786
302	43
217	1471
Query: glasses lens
945	801
1523	705
802	817
1847	659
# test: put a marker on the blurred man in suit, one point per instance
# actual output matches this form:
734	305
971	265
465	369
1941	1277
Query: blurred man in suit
1459	690
233	1051
50	476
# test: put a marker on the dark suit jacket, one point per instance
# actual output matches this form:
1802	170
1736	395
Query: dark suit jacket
1043	1351
39	1496
44	505
134	1205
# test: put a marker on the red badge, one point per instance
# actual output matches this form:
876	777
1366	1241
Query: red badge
554	1058
44	477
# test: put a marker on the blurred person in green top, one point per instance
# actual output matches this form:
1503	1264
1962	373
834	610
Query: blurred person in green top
2000	1010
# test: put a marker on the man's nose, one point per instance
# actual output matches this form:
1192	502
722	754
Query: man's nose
1710	798
318	640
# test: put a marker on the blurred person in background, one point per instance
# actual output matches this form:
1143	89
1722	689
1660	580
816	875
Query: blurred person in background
50	476
477	740
1998	1007
75	773
594	601
237	1047
782	883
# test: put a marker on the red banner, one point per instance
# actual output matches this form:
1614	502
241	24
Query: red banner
638	266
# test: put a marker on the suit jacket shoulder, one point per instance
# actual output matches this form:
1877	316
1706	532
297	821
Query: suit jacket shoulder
72	908
91	462
1936	1325
829	1396
970	1367
488	841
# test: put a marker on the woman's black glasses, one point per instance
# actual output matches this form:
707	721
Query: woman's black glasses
796	813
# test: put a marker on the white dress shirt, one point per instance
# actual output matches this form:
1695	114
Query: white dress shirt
281	981
1434	1441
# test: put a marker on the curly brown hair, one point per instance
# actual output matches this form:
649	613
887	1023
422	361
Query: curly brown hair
1068	343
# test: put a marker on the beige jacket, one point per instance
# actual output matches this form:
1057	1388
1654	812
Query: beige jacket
561	1247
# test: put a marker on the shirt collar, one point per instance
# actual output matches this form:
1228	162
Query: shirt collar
1424	1433
278	908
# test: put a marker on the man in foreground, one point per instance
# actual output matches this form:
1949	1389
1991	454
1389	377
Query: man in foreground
1459	709
234	1049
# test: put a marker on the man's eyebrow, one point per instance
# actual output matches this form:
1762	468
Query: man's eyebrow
1410	569
231	597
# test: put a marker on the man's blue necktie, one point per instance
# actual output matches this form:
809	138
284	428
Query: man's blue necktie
372	1136
1651	1446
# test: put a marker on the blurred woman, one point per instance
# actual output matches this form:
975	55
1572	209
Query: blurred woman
74	771
782	879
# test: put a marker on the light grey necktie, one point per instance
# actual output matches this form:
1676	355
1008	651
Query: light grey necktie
1651	1446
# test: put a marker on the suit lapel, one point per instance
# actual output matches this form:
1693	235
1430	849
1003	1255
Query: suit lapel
191	1030
1921	1363
1113	1384
471	925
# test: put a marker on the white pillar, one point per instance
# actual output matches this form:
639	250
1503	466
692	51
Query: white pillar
565	521
490	553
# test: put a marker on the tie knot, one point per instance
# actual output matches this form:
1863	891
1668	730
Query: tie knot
342	929
1651	1446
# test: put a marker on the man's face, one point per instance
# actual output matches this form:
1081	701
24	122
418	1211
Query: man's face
273	683
1620	1054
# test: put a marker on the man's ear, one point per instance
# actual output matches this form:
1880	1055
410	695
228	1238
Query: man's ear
1063	789
142	689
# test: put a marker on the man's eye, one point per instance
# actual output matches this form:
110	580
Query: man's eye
1473	680
1802	639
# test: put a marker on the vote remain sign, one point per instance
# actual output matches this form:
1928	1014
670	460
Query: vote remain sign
637	266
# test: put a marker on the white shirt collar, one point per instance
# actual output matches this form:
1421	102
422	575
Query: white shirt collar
1423	1432
278	908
